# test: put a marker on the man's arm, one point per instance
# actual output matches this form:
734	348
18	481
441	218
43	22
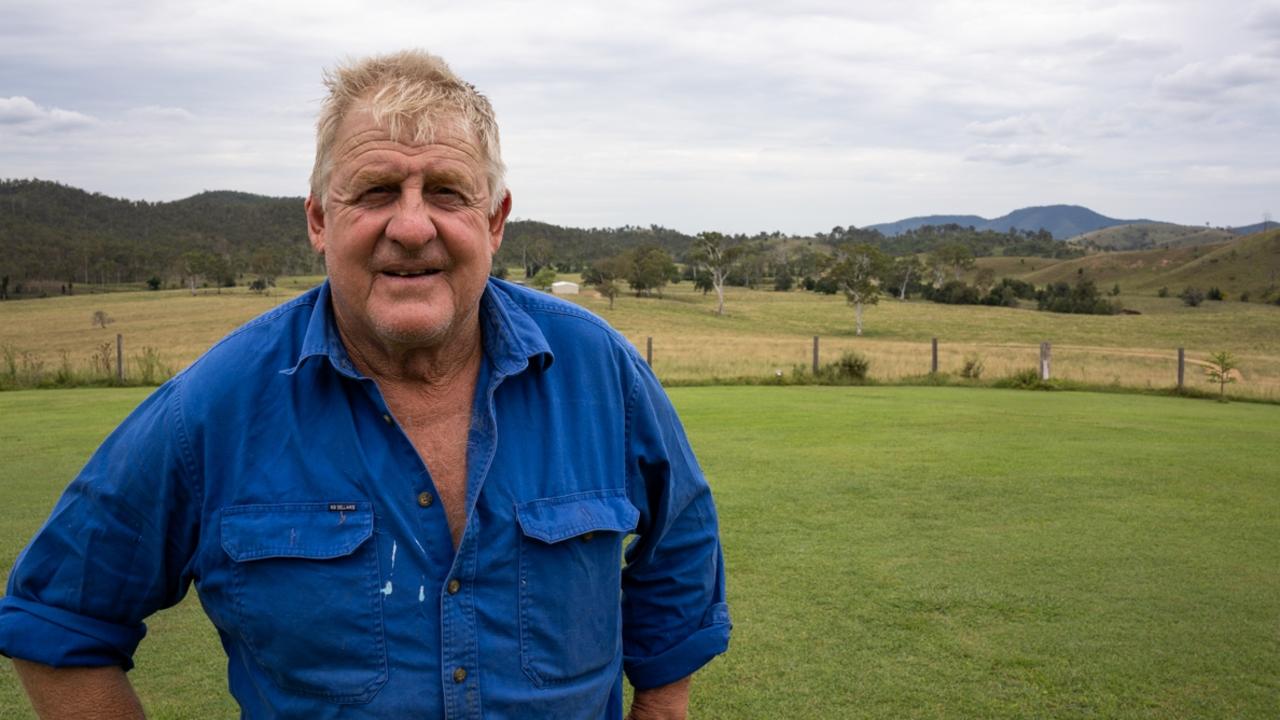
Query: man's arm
669	702
79	693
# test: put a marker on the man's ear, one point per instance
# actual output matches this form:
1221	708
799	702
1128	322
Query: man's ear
315	223
498	222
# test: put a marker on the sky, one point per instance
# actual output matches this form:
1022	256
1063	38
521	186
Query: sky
731	116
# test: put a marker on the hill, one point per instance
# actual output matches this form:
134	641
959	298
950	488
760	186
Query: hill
53	234
1062	221
1248	264
1149	235
1255	228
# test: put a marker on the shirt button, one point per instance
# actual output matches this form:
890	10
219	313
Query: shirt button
425	499
386	418
454	586
459	675
588	536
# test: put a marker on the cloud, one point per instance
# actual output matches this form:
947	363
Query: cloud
26	116
1022	153
1011	126
1209	80
157	112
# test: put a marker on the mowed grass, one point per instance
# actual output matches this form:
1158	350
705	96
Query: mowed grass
898	552
762	332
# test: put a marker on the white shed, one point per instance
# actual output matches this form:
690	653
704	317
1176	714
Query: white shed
564	287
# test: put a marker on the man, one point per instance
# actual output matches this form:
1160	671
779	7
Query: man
403	494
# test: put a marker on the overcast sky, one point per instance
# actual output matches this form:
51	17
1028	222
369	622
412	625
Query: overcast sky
735	116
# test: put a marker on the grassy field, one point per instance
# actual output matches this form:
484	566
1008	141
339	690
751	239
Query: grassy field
761	333
897	552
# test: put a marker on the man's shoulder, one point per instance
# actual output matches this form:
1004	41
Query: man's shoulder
263	346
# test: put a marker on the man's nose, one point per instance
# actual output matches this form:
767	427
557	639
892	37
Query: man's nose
412	225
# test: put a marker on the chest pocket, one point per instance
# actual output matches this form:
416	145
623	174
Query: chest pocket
305	584
570	583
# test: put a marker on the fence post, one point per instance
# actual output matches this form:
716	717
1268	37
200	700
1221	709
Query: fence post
648	350
1182	366
119	358
815	354
934	366
1046	351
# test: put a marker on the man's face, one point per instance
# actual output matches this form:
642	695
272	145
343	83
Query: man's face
407	236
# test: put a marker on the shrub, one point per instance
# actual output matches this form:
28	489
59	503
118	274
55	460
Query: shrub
151	369
1192	296
153	283
972	368
851	368
1244	296
782	281
954	292
1028	379
1213	294
1080	299
1163	292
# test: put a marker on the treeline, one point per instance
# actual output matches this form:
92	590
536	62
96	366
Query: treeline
53	234
979	243
54	237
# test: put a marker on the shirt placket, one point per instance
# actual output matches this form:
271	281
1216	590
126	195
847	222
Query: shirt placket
460	654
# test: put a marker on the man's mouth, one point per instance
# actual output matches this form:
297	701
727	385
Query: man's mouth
410	273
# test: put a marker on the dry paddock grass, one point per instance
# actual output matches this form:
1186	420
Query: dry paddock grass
761	333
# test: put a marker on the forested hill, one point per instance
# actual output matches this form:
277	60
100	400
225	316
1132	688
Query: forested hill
50	231
54	232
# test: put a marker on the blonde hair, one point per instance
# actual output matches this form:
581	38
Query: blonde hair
407	91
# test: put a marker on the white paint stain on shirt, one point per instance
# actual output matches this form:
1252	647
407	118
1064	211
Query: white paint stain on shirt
386	589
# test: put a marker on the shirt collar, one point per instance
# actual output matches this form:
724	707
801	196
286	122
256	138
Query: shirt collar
512	340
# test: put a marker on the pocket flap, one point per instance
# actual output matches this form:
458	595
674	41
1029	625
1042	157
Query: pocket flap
315	531
554	519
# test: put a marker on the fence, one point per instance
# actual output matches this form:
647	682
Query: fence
691	360
686	359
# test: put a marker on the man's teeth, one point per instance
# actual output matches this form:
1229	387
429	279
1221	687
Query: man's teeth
409	273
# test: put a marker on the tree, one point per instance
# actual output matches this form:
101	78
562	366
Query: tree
544	278
985	280
904	269
650	269
101	319
609	289
198	264
955	256
1222	369
712	255
857	272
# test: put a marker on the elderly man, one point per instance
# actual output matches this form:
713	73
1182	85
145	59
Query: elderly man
406	492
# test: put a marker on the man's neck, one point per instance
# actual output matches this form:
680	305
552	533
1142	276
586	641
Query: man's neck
451	362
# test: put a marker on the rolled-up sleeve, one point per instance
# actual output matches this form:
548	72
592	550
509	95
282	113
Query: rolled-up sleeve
675	618
115	549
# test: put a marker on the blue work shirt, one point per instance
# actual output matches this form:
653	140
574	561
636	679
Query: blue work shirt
272	475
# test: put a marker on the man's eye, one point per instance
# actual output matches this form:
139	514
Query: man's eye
377	192
447	194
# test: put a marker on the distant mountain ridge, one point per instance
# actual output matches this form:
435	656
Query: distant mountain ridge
1062	221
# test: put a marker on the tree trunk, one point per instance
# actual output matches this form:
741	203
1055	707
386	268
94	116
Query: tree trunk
857	313
720	298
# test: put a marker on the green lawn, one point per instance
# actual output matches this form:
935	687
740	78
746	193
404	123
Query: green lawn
898	552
